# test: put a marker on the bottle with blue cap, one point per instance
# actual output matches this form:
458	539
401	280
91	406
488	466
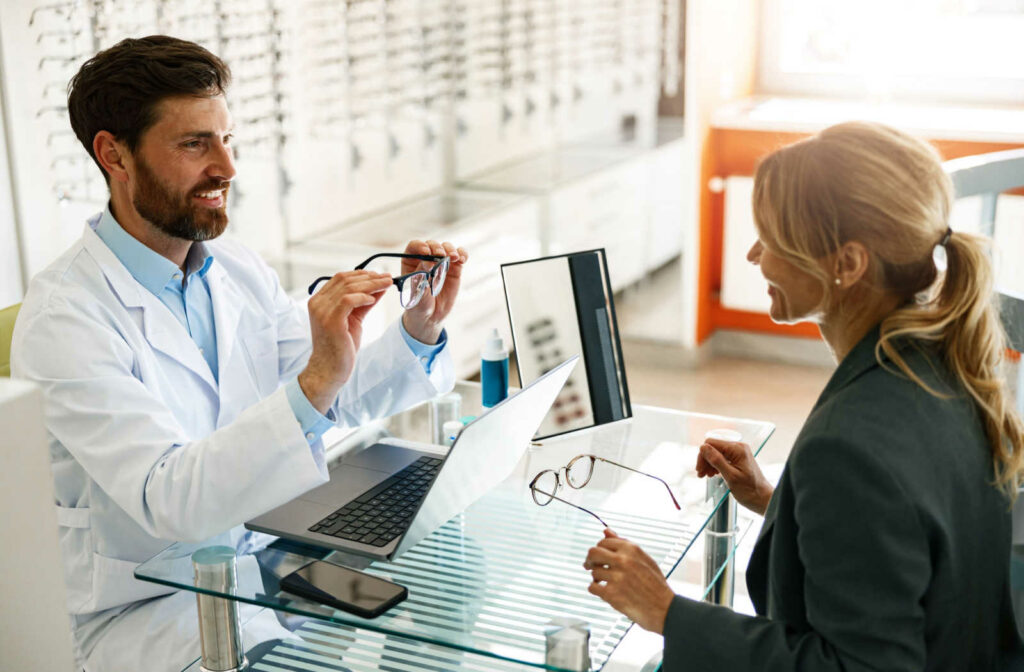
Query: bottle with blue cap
493	370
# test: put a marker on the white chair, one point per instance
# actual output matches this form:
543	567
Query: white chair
35	631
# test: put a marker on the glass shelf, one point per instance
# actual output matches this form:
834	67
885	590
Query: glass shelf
431	216
544	172
487	582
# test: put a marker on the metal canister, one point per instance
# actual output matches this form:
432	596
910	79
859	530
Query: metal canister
568	644
219	634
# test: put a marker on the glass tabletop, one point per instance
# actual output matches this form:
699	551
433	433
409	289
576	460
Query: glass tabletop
490	580
315	645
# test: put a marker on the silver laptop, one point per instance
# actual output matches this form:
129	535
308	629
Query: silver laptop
384	499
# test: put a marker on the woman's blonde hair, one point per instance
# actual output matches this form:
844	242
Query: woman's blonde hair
880	187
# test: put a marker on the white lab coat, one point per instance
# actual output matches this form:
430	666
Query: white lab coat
147	448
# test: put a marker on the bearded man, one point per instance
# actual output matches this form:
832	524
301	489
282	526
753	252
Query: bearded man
185	392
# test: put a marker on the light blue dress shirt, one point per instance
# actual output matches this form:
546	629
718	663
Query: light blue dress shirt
187	296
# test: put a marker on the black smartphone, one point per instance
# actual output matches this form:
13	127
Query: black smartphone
346	589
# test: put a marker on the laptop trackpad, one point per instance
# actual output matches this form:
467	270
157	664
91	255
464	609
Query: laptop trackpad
359	472
381	457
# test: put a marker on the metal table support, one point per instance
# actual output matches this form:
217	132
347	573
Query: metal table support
220	637
719	545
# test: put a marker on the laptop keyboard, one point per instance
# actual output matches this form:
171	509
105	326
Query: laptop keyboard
383	512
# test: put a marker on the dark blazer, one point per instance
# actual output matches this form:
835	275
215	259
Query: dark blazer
884	546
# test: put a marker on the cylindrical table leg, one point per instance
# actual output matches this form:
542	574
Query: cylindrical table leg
220	637
719	544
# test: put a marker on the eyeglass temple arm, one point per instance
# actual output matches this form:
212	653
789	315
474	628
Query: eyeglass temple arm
322	278
421	257
644	473
575	506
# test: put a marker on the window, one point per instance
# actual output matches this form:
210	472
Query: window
937	50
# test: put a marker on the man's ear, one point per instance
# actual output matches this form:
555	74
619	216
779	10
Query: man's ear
112	155
851	263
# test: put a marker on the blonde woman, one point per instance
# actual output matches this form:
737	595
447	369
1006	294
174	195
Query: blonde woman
886	544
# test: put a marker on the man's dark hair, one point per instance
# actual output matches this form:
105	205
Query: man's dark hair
119	89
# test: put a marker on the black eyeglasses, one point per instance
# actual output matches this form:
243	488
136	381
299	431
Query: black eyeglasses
577	474
411	286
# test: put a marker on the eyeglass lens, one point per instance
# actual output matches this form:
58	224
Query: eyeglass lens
413	288
416	284
440	273
579	471
544	487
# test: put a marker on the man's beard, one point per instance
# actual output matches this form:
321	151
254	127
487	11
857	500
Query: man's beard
174	214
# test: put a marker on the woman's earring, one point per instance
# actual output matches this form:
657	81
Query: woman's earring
838	281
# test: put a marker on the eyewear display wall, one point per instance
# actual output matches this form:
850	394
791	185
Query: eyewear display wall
342	107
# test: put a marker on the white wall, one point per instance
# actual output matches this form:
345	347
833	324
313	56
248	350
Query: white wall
10	263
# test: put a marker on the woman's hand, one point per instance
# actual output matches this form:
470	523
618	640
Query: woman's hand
425	320
629	580
735	462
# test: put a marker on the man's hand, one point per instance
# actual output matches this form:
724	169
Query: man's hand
336	315
425	320
735	462
629	580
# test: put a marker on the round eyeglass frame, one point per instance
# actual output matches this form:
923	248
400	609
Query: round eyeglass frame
534	490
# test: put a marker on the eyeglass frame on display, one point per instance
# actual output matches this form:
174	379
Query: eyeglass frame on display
400	280
593	459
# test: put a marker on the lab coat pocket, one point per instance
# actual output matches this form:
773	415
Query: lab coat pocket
114	580
75	536
261	350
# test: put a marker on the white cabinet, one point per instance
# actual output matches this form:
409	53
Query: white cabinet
668	181
625	197
609	210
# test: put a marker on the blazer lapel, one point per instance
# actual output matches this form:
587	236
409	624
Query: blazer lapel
856	363
162	330
769	518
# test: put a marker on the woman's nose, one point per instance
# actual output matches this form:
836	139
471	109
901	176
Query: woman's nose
754	255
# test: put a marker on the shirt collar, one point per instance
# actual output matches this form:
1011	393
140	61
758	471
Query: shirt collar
153	271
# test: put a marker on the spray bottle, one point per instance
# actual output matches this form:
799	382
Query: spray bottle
493	370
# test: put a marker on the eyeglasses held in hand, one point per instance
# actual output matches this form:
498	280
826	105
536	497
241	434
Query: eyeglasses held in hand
577	474
411	286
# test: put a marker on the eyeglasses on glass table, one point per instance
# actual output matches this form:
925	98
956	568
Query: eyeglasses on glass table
578	472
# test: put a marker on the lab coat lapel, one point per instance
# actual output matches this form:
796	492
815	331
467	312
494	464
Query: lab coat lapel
228	305
166	334
161	328
227	311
